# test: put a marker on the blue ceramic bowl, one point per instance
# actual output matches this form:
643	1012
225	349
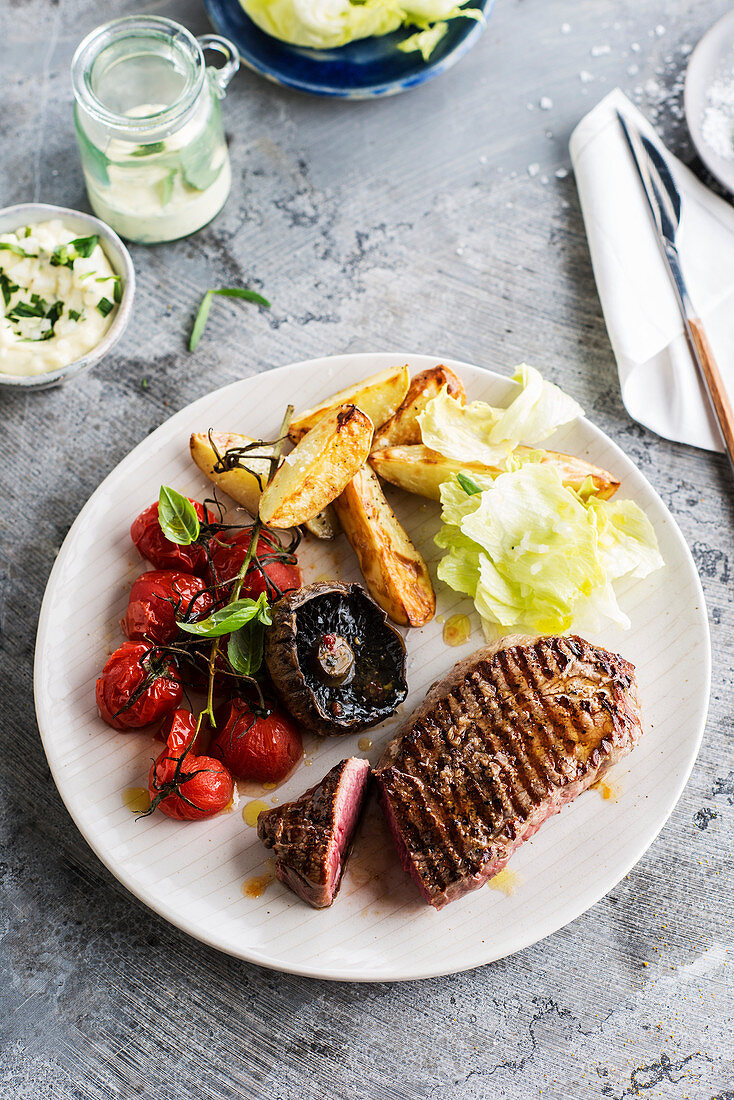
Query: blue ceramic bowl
365	69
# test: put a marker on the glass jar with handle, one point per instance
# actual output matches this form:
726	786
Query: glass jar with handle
149	126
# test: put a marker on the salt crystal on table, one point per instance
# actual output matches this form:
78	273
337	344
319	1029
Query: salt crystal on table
545	103
565	28
533	169
585	77
599	51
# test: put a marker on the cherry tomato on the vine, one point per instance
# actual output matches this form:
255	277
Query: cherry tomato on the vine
159	598
265	748
184	785
179	728
161	552
138	686
273	570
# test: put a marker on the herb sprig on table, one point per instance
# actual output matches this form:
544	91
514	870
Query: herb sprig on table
206	304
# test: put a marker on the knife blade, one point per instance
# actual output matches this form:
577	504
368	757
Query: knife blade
666	210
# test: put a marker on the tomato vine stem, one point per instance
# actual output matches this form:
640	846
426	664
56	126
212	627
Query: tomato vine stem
240	580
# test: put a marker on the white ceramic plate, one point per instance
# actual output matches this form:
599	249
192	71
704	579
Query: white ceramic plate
378	929
712	60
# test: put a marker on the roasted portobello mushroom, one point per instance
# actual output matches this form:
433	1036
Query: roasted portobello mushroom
335	662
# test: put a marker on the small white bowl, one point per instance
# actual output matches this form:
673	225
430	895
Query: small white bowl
713	54
26	213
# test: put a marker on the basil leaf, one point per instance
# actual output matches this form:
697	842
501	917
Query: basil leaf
81	247
148	150
117	282
245	648
242	292
468	485
27	309
206	304
8	288
201	319
84	246
54	313
177	517
198	157
165	187
94	161
230	618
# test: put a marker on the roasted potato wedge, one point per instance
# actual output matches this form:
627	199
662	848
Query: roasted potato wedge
420	470
396	574
318	469
241	485
403	429
378	396
325	525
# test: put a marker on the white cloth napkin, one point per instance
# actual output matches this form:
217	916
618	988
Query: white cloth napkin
659	381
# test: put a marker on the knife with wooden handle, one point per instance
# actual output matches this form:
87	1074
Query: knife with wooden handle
664	201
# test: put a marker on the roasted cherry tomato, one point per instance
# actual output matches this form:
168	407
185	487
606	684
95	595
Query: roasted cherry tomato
138	686
274	570
159	598
261	748
161	552
179	728
184	785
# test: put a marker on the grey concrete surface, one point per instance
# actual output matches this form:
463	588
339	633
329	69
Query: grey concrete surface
415	223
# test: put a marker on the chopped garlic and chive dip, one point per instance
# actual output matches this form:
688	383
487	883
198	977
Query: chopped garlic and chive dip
58	297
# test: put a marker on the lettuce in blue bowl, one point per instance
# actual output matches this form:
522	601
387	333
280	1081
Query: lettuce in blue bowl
366	68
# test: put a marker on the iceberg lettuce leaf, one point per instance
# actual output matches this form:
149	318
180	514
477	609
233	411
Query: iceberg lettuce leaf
534	555
536	412
478	432
327	24
425	41
460	431
627	543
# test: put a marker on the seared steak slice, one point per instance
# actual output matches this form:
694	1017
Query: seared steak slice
510	736
312	836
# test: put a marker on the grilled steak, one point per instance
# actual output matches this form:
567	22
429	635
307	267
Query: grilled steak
509	737
312	835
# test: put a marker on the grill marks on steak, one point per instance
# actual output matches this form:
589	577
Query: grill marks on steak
509	737
312	836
